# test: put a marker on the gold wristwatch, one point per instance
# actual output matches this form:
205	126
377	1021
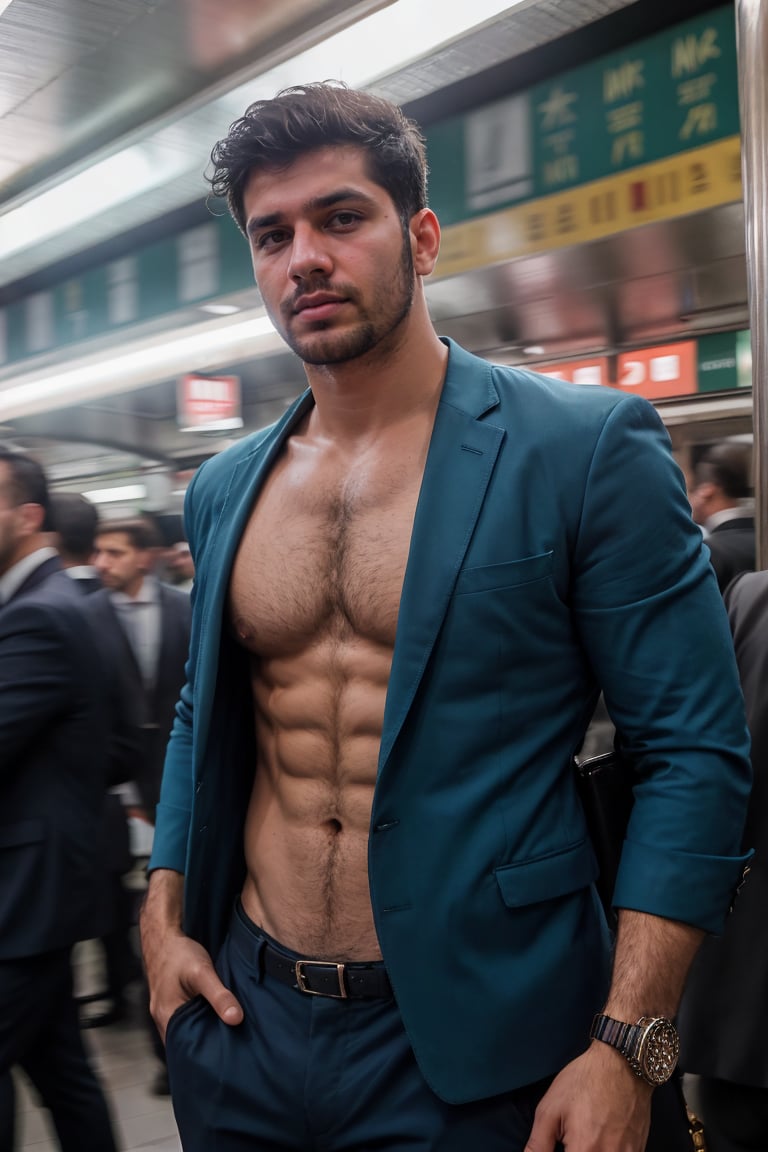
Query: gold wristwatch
651	1046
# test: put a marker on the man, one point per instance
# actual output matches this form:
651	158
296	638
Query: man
724	1012
181	568
76	520
406	594
144	626
53	750
721	502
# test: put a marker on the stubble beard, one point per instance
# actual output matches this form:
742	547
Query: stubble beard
392	304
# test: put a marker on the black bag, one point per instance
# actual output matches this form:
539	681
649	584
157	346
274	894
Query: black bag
604	784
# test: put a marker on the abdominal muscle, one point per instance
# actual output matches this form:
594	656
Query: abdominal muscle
318	727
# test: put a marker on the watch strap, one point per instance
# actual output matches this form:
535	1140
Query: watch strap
650	1046
624	1037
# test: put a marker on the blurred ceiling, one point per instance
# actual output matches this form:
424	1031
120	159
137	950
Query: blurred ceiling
84	80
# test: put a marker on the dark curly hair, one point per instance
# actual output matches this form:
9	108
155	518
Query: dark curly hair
274	133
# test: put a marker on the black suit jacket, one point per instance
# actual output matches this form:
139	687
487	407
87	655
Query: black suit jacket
53	748
732	549
150	714
725	1007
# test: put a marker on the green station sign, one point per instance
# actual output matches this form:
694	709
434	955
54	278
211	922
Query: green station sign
724	361
671	92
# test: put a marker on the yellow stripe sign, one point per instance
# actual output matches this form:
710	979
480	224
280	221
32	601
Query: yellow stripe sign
691	181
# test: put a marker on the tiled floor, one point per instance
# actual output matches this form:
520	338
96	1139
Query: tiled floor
127	1067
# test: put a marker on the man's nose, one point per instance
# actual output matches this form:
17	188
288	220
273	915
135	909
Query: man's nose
310	255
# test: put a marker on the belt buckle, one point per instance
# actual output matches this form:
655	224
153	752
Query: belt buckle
301	978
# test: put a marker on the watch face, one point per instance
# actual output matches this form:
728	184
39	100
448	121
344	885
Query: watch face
658	1052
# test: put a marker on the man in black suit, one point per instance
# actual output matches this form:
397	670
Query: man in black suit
76	520
143	628
53	751
146	623
720	494
724	1012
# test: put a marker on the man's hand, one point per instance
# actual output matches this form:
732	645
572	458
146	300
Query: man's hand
596	1104
177	967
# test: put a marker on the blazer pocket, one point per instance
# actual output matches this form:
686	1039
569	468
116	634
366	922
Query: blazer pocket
21	832
547	877
507	575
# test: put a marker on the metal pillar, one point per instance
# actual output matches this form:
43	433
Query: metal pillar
752	41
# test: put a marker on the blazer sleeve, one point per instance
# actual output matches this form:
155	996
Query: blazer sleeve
174	811
652	619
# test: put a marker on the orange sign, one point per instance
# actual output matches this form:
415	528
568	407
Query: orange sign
594	371
211	402
656	373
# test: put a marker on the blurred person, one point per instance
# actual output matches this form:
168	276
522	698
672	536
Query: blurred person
408	593
145	626
724	1013
721	496
53	751
75	520
180	565
144	629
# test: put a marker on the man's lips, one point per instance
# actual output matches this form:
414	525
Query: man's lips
317	305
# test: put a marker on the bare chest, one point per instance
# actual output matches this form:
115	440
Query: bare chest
324	555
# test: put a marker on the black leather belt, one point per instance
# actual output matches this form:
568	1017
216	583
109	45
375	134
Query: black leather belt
326	978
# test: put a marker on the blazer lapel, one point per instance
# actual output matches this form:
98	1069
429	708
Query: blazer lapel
461	458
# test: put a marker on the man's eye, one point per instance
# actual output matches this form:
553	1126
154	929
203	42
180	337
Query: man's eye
345	218
270	239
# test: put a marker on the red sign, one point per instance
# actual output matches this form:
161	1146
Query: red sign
594	371
211	402
656	373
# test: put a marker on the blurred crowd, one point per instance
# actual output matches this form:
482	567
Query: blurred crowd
93	643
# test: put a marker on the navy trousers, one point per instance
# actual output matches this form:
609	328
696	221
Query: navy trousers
40	1031
311	1074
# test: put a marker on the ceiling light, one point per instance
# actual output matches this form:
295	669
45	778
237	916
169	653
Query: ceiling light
126	493
220	309
380	43
164	356
533	350
100	188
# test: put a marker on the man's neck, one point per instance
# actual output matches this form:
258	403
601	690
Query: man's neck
134	590
358	398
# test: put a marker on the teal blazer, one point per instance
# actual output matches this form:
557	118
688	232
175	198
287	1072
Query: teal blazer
552	553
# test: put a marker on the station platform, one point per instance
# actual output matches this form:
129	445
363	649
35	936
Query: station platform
127	1068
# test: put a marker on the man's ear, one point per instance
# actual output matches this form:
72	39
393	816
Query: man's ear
706	491
32	518
425	241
